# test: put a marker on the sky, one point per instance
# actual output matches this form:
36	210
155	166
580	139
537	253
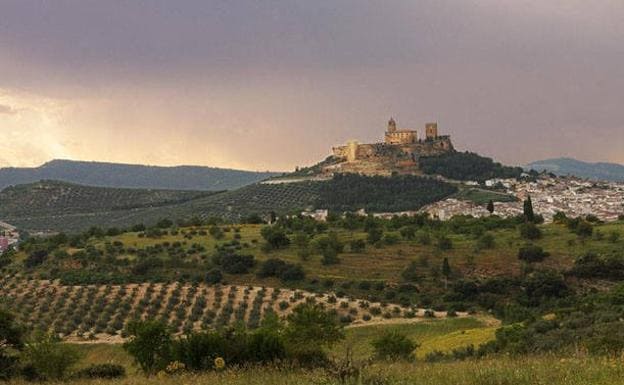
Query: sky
266	84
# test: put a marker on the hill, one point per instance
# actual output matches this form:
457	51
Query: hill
59	206
568	166
133	176
467	166
60	198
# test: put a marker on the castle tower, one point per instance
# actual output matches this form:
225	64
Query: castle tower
392	125
352	147
431	131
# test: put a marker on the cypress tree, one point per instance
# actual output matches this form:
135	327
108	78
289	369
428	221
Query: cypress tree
529	215
490	206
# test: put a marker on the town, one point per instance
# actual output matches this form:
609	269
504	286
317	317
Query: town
549	194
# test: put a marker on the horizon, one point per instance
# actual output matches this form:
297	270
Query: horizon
273	86
269	170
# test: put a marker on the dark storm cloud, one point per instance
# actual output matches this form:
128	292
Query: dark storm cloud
517	80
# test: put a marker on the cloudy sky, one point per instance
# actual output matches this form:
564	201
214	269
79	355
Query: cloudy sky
262	84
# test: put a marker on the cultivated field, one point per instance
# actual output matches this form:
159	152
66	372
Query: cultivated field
99	312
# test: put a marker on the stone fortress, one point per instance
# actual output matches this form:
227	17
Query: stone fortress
398	154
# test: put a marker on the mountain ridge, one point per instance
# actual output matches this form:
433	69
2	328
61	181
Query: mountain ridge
570	166
122	175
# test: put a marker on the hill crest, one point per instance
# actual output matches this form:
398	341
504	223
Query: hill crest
121	175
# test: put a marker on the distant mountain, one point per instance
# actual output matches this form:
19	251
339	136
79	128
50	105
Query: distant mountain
568	166
133	176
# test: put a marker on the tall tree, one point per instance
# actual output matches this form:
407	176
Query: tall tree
490	206
529	215
446	271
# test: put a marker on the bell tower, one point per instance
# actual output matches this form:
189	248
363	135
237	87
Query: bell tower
392	125
431	131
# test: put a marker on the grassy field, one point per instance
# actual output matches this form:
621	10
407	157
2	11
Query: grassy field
540	370
388	261
440	335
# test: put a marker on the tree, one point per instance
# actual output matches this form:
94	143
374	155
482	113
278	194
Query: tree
50	358
446	271
275	237
490	206
584	229
302	241
216	232
10	344
444	243
529	215
311	327
375	234
408	232
213	276
393	345
532	253
150	344
357	245
329	247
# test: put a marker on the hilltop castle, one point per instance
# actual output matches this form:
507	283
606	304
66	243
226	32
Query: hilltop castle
399	153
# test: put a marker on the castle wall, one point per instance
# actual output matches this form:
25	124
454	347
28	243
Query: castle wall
398	154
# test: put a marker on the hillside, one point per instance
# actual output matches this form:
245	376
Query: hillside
399	266
70	208
60	198
133	176
568	166
467	166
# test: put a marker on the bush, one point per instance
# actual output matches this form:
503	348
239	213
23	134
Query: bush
35	258
49	358
532	253
529	230
357	245
394	346
486	241
275	237
275	267
232	263
107	371
213	276
150	344
11	344
444	243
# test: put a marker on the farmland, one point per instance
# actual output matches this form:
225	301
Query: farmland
59	206
91	313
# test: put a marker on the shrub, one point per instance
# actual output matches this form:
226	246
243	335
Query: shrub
486	241
213	276
444	243
532	253
529	230
393	345
357	245
11	343
275	267
232	263
35	258
311	328
49	358
275	237
108	371
150	344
